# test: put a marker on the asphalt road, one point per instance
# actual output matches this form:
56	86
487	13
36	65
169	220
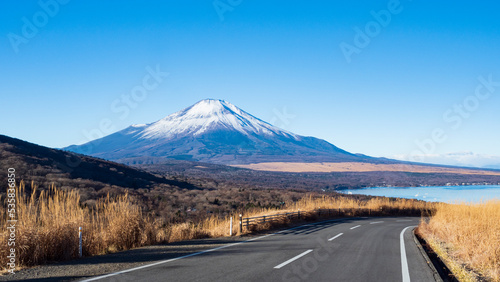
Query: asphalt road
365	249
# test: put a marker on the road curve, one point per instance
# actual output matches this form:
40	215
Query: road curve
362	249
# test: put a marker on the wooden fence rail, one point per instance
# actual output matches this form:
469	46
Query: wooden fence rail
248	222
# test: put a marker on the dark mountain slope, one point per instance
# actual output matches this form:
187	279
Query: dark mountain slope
46	166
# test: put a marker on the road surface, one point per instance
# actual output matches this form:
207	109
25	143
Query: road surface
363	249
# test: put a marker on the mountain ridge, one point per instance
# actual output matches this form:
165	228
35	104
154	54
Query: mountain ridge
215	131
46	167
93	177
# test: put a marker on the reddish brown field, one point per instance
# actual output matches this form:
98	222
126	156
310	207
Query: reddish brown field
360	167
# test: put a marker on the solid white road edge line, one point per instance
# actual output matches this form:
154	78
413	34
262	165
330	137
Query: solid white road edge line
404	261
333	238
354	227
159	262
292	259
202	252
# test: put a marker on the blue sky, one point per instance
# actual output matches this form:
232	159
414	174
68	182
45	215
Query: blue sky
408	88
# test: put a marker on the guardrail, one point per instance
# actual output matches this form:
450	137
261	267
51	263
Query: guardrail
249	222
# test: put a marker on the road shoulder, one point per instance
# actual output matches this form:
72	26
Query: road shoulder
100	265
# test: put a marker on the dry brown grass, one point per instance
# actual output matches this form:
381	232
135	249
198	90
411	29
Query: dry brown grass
48	221
359	167
468	238
340	207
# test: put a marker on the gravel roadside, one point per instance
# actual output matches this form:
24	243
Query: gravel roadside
99	265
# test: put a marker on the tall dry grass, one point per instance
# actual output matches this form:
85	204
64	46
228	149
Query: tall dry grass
353	207
308	205
48	221
467	236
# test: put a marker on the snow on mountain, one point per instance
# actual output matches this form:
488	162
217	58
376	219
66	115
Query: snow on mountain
206	115
213	131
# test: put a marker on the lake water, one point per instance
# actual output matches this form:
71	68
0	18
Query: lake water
448	194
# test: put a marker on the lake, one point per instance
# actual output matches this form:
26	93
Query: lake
448	194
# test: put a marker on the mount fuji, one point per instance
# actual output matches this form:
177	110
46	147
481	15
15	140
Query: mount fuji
214	131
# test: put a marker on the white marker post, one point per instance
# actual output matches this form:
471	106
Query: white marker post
231	226
80	241
241	224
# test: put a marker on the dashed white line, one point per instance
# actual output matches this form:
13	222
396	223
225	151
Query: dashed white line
333	238
375	222
404	262
202	252
292	259
354	227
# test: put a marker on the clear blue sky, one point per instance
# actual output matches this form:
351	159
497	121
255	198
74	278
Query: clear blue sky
263	56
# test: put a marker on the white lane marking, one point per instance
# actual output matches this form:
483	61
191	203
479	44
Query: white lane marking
354	227
404	220
404	262
159	262
333	238
202	252
173	259
375	222
292	259
206	251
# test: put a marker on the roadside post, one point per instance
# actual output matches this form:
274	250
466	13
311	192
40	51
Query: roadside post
80	241
231	226
241	224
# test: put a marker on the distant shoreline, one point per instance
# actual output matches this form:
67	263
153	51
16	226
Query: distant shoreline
449	194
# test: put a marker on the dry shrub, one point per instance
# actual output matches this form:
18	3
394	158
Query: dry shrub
469	234
335	207
186	231
47	226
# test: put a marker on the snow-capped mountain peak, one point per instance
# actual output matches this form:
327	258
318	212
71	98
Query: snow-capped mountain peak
213	131
209	107
209	114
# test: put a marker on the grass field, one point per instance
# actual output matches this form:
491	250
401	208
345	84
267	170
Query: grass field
467	238
361	167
